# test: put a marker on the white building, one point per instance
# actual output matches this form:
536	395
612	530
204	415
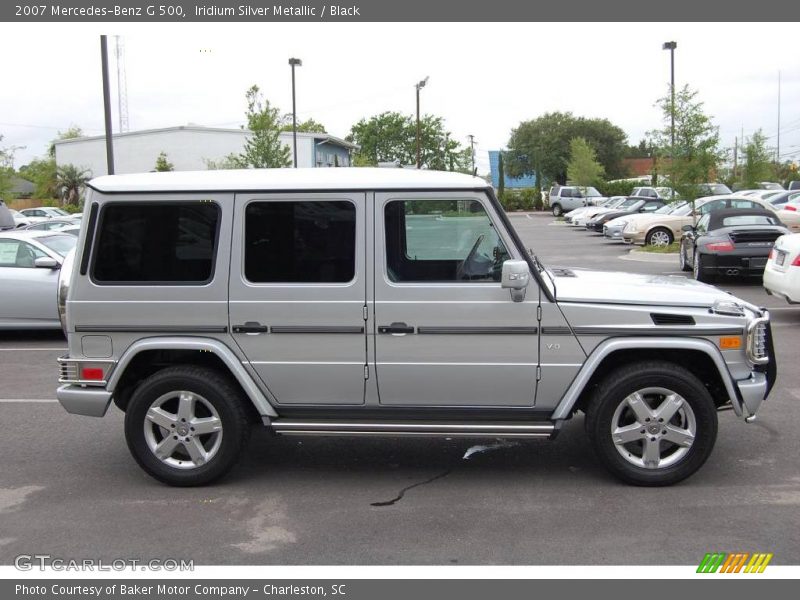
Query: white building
189	148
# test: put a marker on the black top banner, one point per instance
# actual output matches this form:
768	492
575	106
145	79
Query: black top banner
398	10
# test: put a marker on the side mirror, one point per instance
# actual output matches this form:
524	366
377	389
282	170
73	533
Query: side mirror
45	262
687	228
515	277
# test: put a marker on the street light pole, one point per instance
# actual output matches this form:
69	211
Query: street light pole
419	86
671	47
107	106
294	62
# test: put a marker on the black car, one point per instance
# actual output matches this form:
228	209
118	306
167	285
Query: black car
731	241
631	206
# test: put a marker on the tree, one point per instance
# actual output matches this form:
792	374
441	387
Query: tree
501	176
263	147
758	165
583	168
695	157
231	161
162	164
392	137
70	134
6	170
71	182
541	146
308	126
42	173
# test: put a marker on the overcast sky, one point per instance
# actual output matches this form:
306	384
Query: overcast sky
484	78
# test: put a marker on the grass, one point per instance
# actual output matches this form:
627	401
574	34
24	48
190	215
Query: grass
673	248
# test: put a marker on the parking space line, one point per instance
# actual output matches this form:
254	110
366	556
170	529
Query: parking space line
33	349
28	400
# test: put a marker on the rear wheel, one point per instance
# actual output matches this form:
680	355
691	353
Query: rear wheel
557	210
659	237
652	423
699	269
186	426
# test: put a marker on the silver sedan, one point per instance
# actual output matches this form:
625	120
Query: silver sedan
29	266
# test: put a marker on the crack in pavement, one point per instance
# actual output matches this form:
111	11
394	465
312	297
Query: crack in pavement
411	487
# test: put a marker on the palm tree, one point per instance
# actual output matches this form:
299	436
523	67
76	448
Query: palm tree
71	181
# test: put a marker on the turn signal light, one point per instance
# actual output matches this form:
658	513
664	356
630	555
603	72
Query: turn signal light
720	247
91	374
730	343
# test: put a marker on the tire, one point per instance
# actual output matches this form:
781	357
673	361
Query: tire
557	210
691	420
682	257
699	270
205	395
660	236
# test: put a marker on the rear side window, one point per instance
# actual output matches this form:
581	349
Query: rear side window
159	242
300	242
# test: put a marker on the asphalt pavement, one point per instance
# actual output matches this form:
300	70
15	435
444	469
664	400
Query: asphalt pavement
69	488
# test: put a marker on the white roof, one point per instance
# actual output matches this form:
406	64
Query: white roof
353	178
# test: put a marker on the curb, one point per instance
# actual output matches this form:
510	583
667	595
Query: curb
639	256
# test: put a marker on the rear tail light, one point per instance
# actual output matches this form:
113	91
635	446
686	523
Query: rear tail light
720	247
790	207
796	261
771	254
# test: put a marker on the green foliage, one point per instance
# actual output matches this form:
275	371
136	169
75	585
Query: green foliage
231	161
71	183
263	147
42	173
538	202
642	150
163	164
524	199
617	188
392	136
6	170
583	168
501	175
70	134
72	208
758	161
696	155
542	146
308	126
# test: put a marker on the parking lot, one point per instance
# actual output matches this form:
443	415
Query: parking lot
69	488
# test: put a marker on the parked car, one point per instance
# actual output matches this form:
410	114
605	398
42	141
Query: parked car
639	205
770	185
663	229
6	217
381	302
794	185
782	273
19	219
705	190
580	219
564	198
730	242
762	194
612	229
42	213
602	204
54	225
789	214
781	199
663	193
29	268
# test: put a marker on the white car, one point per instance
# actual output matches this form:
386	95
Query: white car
588	215
42	213
782	273
606	202
19	219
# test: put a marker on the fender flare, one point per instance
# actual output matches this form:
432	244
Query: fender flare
564	407
223	352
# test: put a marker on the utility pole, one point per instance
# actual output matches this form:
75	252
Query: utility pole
294	62
778	151
419	86
735	156
472	150
671	47
107	105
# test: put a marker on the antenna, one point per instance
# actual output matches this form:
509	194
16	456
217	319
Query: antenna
122	85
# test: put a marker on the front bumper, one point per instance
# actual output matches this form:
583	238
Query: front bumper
80	400
753	392
612	233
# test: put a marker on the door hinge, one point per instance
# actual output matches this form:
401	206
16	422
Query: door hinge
366	371
538	373
539	313
365	312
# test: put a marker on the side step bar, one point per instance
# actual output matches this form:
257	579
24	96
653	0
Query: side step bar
482	429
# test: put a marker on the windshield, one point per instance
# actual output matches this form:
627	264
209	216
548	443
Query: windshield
616	203
664	210
591	192
59	211
61	244
749	220
629	202
716	189
684	209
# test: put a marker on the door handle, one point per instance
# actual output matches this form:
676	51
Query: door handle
396	328
251	327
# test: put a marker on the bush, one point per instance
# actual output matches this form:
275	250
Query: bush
618	188
72	208
509	200
527	198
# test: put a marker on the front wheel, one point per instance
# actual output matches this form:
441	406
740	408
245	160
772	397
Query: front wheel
557	210
659	237
682	258
186	426
652	423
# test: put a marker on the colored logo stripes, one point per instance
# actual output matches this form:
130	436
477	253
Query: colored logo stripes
735	562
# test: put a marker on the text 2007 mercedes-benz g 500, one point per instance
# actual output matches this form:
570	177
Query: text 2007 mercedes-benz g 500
381	302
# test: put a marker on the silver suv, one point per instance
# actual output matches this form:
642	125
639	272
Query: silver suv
363	302
564	198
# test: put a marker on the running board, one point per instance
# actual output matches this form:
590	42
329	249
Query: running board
483	429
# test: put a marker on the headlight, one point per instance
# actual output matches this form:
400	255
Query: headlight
621	224
728	308
64	279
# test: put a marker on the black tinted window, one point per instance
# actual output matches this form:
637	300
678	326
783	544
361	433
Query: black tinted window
156	243
300	242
